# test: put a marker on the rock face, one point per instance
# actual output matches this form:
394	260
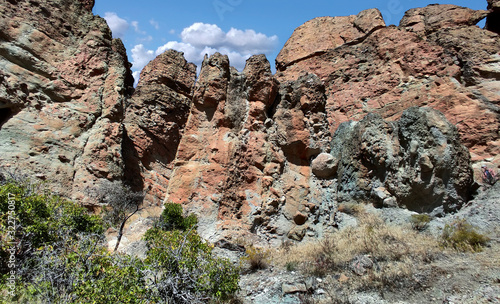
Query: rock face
436	58
154	122
321	34
61	110
351	115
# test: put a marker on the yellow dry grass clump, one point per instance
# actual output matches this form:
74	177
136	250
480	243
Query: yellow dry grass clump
370	255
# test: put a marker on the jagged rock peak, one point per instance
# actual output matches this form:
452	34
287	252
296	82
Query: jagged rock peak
154	122
432	18
323	33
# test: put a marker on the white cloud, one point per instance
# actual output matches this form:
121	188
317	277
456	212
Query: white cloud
201	38
141	56
251	42
117	25
135	24
203	34
154	24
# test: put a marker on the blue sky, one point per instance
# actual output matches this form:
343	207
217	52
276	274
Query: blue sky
238	28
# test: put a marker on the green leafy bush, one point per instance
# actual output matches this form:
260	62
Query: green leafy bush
81	270
40	218
462	236
172	218
64	258
60	252
186	268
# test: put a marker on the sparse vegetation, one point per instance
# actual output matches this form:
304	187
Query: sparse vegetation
61	257
120	203
257	258
350	208
373	255
462	236
420	222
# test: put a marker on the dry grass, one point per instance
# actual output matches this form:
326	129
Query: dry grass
462	236
395	252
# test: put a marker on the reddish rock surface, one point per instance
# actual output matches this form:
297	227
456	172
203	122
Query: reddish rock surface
432	18
154	122
61	110
454	69
324	33
248	151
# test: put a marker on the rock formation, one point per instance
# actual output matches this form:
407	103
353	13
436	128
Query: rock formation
437	57
154	120
352	114
416	162
63	84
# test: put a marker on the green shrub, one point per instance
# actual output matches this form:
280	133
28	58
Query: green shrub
172	218
420	222
462	236
185	269
81	270
64	258
41	218
112	279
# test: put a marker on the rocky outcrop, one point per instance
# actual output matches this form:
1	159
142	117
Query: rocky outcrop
436	58
417	162
434	17
319	35
225	148
154	121
255	155
61	110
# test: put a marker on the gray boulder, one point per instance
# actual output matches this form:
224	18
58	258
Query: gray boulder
417	162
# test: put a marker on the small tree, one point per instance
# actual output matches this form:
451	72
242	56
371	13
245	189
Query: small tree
121	203
172	218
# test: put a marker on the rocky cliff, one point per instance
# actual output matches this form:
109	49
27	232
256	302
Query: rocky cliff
63	86
357	112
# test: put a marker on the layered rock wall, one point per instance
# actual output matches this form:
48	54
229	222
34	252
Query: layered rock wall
63	83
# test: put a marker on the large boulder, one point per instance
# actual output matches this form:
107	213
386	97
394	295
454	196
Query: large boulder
417	162
324	165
